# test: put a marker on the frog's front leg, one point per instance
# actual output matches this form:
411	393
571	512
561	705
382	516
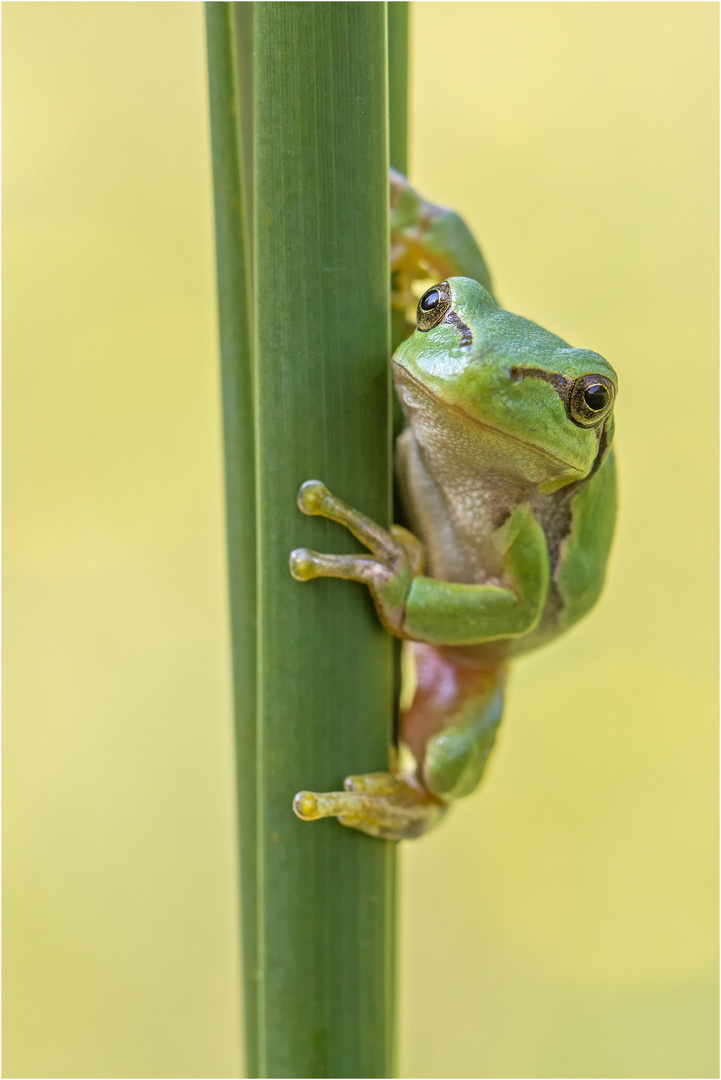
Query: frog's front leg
428	244
397	555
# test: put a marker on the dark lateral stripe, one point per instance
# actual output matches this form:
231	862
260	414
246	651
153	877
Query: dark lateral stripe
559	382
466	335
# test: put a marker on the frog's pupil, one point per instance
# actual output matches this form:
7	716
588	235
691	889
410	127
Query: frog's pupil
430	300
596	397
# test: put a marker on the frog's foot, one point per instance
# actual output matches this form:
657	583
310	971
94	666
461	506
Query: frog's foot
397	555
413	265
428	244
380	804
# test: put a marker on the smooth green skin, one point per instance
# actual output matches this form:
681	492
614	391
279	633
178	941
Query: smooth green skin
456	757
474	382
446	613
513	500
533	442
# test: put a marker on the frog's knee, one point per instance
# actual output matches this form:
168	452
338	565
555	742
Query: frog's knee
454	767
456	757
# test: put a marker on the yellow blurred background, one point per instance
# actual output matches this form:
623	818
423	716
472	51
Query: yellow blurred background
563	922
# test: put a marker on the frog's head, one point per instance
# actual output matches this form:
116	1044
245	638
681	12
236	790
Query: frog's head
494	390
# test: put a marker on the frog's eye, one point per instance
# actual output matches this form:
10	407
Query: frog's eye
433	305
590	400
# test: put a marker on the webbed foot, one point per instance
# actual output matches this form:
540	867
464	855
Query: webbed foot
383	805
428	243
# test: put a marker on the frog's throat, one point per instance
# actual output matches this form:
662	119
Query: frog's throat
404	374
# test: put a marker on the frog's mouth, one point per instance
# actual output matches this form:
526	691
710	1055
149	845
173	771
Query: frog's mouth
404	376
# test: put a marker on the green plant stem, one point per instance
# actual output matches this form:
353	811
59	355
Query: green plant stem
326	894
398	84
398	30
239	444
243	24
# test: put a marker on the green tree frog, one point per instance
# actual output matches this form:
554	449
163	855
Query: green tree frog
506	476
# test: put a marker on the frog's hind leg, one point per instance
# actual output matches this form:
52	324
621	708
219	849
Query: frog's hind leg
428	243
449	728
452	722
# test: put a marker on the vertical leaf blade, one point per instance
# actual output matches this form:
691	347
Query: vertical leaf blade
325	893
239	452
398	83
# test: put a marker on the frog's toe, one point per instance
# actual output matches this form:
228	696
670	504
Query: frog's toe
303	564
379	783
305	804
312	496
379	804
312	805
